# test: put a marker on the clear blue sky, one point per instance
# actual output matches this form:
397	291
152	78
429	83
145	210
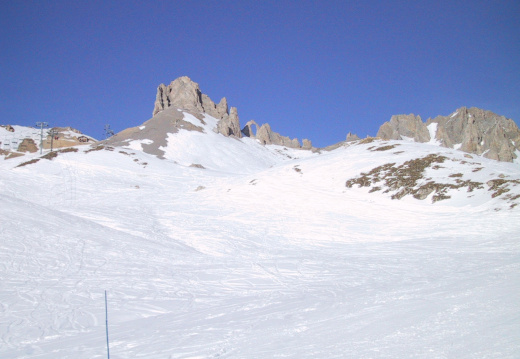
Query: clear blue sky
311	69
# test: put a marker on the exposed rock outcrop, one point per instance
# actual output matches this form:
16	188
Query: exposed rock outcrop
181	97
352	137
268	137
180	93
8	128
479	131
155	131
184	94
219	110
248	129
306	144
471	130
27	145
400	126
229	125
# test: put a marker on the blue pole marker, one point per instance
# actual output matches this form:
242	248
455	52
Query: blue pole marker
106	322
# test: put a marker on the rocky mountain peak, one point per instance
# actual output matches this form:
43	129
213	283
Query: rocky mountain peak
185	94
472	130
173	105
181	93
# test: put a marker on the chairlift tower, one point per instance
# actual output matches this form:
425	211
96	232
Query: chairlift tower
52	132
41	125
108	131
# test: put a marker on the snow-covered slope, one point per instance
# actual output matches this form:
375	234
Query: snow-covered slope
179	136
265	252
11	137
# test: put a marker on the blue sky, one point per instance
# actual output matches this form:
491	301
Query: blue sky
311	69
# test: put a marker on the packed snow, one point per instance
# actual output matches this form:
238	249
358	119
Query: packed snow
137	144
262	252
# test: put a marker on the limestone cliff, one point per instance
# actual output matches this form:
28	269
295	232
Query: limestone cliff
267	136
400	126
471	130
185	94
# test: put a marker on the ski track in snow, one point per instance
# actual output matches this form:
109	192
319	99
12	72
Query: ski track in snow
257	264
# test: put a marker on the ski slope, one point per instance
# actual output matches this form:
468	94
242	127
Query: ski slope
263	253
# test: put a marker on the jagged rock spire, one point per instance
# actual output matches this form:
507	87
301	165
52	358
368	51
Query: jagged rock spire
181	93
185	94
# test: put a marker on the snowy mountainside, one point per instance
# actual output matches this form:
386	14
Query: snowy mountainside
435	175
259	252
181	137
213	151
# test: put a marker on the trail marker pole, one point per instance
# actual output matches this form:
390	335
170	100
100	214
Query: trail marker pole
106	321
41	125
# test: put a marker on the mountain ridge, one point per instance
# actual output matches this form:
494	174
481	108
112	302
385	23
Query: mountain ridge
472	130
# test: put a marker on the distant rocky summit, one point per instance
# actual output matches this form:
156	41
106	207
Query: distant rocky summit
184	95
266	136
470	130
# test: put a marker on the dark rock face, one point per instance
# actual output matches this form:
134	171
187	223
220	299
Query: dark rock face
471	130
